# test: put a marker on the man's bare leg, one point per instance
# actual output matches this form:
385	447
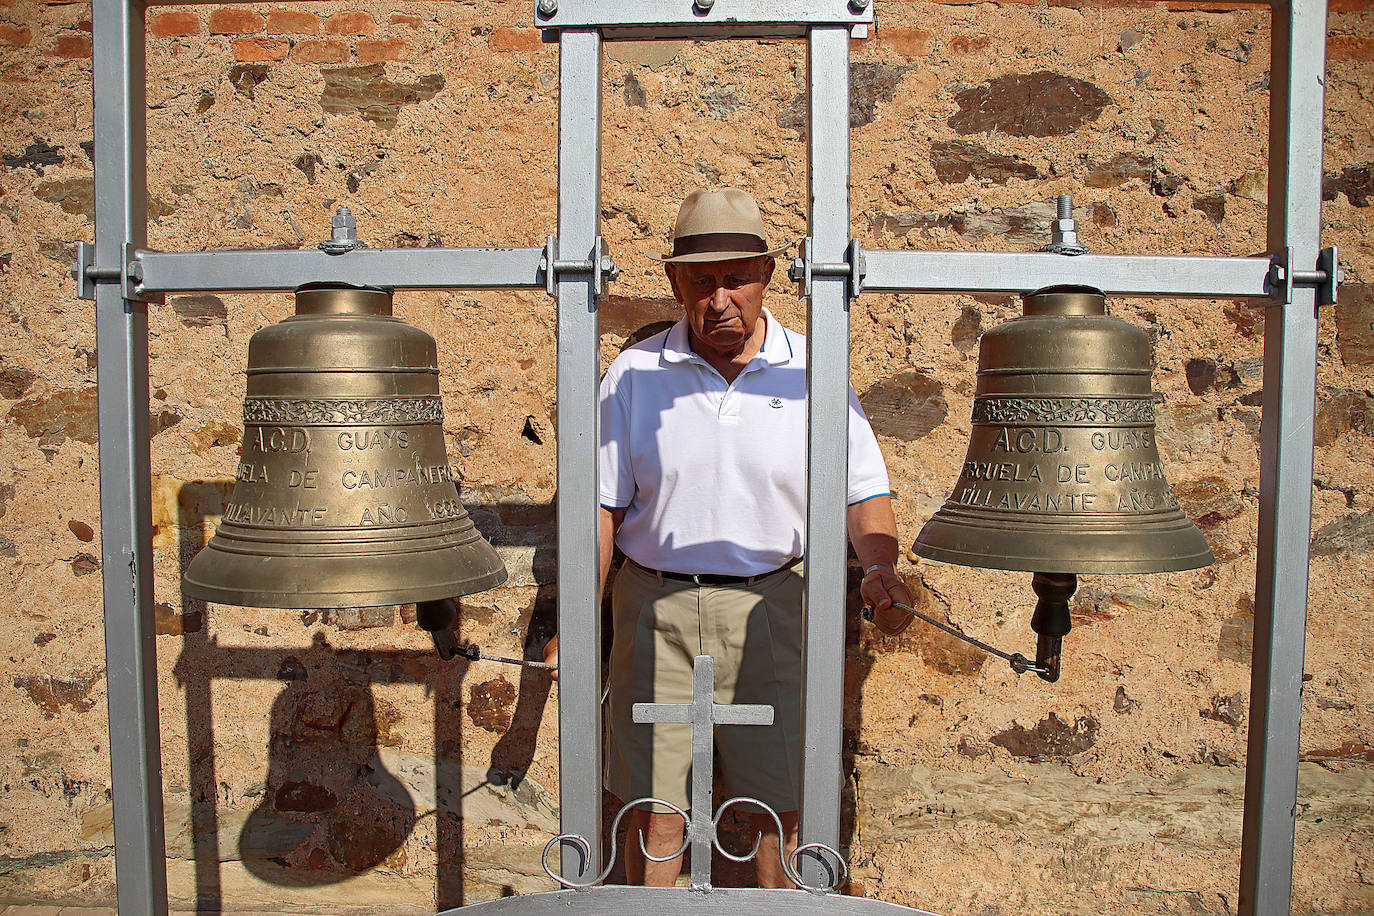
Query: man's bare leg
767	866
662	836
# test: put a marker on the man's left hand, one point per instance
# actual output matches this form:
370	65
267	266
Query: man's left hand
881	590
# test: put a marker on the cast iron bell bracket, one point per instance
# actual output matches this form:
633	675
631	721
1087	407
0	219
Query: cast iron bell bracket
1327	278
806	267
129	274
599	264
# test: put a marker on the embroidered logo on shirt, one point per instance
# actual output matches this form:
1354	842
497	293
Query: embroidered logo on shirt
775	403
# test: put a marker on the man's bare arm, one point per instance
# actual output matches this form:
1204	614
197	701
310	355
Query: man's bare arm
608	523
873	531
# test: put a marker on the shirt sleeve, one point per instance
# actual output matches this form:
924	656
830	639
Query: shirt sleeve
617	484
867	470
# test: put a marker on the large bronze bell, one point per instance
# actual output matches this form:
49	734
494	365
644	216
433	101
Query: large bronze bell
344	494
1063	475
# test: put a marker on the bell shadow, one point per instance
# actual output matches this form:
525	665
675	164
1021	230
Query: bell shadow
330	809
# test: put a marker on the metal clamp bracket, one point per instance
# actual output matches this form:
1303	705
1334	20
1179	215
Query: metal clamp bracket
601	266
1327	278
806	267
129	274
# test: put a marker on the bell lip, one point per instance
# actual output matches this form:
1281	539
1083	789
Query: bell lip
325	599
1196	555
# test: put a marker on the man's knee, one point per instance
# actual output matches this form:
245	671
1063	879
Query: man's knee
768	827
659	827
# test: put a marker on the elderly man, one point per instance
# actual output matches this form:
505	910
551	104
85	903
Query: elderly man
703	487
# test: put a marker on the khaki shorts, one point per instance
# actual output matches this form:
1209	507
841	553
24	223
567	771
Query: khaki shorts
754	633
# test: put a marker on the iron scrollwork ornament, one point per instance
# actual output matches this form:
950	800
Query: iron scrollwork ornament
837	872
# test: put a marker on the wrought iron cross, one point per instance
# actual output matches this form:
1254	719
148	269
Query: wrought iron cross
703	714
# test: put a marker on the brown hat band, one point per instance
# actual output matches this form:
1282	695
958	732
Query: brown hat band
718	241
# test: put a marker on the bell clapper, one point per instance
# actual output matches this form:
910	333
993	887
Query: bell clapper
437	617
1019	663
1051	620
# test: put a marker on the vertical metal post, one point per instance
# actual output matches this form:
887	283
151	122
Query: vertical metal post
125	488
1290	372
827	343
579	357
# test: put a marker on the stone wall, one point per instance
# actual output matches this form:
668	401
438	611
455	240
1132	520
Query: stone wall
317	759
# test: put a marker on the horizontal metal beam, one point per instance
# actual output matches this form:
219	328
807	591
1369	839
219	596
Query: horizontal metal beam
1154	276
396	268
700	18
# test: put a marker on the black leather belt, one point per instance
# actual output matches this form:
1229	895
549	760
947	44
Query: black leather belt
714	578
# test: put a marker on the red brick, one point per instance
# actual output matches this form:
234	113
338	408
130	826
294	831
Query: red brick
71	47
15	34
1350	47
414	22
1114	4
256	49
370	51
234	20
969	44
507	39
1212	6
292	22
909	42
320	51
173	24
1350	6
350	22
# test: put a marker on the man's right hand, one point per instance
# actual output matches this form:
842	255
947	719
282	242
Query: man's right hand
551	656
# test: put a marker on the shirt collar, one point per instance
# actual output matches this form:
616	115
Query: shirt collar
776	350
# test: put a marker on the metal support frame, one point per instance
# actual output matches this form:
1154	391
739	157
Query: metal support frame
1297	106
1025	272
1290	362
413	268
827	451
126	523
579	368
628	19
123	277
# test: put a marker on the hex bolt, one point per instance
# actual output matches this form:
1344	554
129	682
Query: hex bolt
344	237
547	7
1064	229
858	5
344	225
703	6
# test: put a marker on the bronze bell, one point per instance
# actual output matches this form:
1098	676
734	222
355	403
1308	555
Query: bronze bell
344	494
1063	475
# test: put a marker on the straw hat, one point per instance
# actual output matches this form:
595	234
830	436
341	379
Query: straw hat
718	225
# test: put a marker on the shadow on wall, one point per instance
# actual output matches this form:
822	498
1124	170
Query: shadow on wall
337	800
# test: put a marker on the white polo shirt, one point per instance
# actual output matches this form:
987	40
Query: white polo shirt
713	475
